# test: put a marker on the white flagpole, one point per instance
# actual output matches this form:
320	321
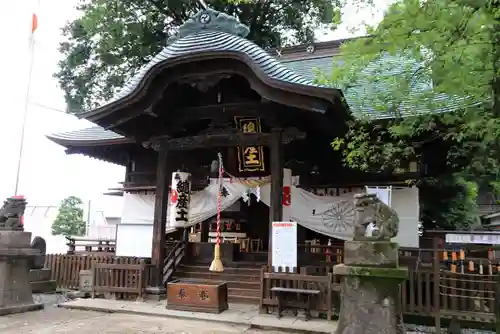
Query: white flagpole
26	102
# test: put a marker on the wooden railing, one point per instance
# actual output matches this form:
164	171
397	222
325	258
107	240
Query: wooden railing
299	279
118	281
172	260
82	246
65	269
467	297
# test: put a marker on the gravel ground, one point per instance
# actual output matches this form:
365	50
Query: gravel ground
54	320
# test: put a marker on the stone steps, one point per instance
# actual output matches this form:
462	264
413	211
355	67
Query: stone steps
243	280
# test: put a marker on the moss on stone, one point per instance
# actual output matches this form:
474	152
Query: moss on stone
380	272
381	247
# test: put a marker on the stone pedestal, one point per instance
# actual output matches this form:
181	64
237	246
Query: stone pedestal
15	289
41	282
370	288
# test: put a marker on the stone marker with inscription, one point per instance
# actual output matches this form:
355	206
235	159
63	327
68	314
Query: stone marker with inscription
370	274
16	256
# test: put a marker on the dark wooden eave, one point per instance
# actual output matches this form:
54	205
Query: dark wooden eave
222	139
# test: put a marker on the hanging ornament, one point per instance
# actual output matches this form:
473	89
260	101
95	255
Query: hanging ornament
217	263
287	196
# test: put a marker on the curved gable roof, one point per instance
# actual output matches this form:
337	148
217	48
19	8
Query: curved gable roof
209	42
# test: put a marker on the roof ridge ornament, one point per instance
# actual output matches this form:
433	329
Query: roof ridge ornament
209	19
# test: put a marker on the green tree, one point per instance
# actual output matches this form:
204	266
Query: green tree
69	220
452	53
112	39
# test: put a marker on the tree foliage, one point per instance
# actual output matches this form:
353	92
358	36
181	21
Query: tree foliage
69	220
111	39
452	53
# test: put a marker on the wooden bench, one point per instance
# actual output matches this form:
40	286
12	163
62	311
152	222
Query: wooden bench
283	293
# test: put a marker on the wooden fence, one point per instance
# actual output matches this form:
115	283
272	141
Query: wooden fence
65	269
300	281
468	297
85	246
123	281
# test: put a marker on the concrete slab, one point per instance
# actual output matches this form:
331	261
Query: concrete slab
237	314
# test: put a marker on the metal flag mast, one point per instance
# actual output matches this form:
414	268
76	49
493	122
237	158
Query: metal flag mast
217	263
34	26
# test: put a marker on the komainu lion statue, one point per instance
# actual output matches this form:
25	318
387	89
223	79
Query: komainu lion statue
11	213
371	211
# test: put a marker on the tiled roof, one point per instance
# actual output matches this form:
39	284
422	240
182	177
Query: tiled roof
206	41
92	134
369	98
360	97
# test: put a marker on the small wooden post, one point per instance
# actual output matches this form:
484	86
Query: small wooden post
160	219
497	304
436	266
276	205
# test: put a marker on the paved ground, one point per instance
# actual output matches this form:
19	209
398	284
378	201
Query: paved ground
237	314
56	320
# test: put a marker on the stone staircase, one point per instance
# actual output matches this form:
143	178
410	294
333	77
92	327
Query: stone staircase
243	279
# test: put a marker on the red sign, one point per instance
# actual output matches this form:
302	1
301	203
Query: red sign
287	196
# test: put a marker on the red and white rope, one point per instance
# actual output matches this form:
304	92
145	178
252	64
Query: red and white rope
219	195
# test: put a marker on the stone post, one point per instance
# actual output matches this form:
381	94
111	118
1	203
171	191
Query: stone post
16	256
370	288
370	274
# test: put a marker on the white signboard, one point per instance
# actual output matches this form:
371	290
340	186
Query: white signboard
484	239
383	193
284	244
134	240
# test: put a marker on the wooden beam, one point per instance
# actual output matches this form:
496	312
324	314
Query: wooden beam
225	139
177	118
276	204
160	221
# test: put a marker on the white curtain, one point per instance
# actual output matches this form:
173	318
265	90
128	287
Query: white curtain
139	208
204	202
330	215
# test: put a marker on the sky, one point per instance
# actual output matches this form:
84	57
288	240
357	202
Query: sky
47	174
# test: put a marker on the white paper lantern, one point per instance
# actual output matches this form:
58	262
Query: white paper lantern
180	197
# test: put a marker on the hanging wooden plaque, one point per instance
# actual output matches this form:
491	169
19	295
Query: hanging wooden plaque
250	158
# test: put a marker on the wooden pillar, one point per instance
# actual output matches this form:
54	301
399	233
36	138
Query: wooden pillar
436	265
159	223
276	205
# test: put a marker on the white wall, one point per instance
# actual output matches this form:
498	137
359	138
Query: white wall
38	220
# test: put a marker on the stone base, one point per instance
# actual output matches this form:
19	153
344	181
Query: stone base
20	309
371	253
40	281
44	287
370	288
156	293
37	275
16	256
370	306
